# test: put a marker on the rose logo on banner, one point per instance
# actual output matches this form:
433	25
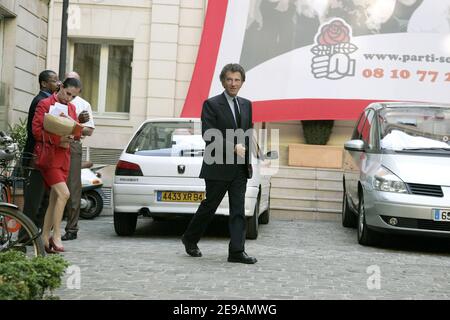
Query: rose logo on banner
332	51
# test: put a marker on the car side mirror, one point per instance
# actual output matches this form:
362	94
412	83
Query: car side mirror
355	145
271	155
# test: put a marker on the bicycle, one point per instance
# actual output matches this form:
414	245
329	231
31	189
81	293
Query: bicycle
17	231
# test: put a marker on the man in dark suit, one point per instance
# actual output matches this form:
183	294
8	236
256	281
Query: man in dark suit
226	164
35	201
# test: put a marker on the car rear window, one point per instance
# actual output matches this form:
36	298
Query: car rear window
167	139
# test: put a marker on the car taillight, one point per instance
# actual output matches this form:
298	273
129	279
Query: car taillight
125	168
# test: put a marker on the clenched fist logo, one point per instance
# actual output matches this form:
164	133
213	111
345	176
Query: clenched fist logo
332	52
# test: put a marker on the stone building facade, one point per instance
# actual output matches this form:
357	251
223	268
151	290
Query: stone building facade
145	49
23	52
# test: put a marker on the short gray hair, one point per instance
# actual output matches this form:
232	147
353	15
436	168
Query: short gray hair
232	67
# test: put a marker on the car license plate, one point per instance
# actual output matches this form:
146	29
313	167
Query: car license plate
180	196
441	214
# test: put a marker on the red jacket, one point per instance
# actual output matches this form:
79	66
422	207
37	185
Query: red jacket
62	155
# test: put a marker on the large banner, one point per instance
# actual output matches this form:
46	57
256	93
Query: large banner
325	59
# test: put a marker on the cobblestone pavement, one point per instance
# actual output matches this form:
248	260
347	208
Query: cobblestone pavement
297	259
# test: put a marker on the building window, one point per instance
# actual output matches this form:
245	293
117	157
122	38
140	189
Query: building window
86	62
119	79
105	71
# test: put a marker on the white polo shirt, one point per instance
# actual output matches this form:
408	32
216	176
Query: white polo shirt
82	105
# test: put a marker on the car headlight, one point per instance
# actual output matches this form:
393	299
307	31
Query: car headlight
385	180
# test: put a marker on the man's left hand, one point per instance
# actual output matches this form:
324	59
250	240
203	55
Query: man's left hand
240	150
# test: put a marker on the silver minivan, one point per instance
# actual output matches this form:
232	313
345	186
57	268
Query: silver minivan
397	171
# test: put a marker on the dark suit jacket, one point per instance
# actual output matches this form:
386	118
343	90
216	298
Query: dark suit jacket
216	114
29	144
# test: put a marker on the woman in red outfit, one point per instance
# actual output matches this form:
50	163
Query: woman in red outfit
55	175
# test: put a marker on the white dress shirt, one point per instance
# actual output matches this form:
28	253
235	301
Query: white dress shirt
231	104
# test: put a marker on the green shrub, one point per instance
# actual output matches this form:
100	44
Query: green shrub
317	131
22	278
18	132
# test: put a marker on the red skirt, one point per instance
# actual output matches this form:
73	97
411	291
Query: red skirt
53	176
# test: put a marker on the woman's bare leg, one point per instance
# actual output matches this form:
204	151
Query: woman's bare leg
48	219
61	196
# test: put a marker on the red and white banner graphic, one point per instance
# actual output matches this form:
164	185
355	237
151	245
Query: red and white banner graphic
324	59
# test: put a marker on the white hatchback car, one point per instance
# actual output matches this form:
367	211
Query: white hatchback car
158	176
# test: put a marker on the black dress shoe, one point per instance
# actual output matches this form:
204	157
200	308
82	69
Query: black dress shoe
241	257
69	236
191	248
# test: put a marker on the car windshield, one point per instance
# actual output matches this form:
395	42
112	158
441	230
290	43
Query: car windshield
162	139
422	129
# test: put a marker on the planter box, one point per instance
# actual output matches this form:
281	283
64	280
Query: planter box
316	156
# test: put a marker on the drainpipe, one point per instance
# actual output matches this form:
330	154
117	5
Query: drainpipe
49	34
63	48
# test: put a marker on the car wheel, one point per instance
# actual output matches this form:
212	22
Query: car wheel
125	223
349	219
265	216
252	223
366	237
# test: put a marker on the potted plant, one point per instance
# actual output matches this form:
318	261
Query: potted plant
315	152
317	132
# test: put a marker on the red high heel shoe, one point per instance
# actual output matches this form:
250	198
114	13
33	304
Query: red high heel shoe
54	247
49	249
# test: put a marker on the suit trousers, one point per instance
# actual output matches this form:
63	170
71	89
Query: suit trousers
35	197
215	192
72	209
